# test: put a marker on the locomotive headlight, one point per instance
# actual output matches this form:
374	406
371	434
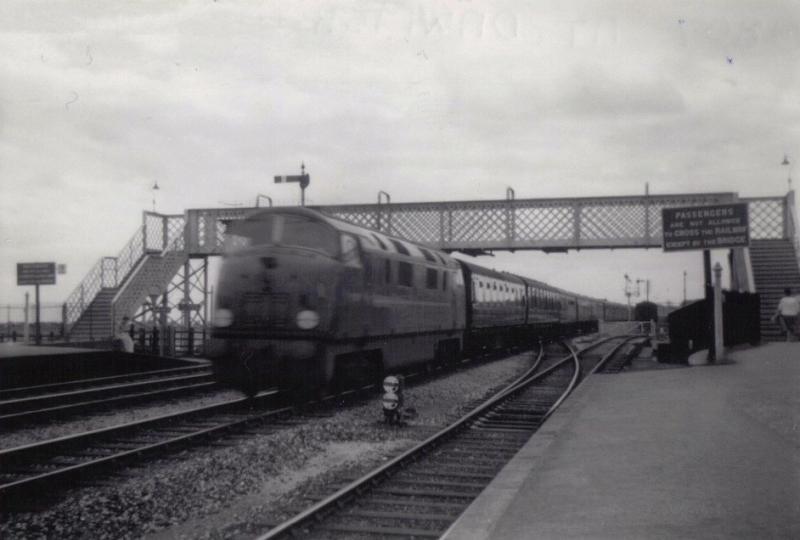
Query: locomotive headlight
307	319
223	318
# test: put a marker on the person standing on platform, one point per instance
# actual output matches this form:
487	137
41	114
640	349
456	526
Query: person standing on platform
123	339
788	310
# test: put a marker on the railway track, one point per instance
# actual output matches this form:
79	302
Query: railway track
68	386
420	493
27	472
99	394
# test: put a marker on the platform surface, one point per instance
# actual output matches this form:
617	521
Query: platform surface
700	452
14	350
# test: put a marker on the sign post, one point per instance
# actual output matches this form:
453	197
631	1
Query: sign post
706	228
36	274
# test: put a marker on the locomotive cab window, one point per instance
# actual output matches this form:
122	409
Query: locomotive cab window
283	229
349	248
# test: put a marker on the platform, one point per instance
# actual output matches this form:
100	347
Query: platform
700	452
28	365
13	350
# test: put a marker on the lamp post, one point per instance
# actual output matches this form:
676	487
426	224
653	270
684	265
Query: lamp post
684	288
787	163
154	189
719	345
628	293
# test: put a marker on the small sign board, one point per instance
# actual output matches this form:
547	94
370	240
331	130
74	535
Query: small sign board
36	273
705	227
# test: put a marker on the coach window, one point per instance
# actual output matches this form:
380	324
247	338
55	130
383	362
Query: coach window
444	280
400	247
428	255
388	271
405	274
431	278
380	242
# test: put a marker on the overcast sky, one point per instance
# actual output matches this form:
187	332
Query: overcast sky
426	100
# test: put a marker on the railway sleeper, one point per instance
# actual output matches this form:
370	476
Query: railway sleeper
400	520
456	508
470	436
489	447
387	531
466	461
357	512
522	417
431	473
526	411
500	421
442	494
420	482
456	453
491	429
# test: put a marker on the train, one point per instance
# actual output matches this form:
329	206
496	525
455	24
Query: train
308	302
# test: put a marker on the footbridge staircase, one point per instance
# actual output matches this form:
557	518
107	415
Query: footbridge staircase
157	272
121	286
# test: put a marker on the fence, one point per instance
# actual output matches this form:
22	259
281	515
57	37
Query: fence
690	326
51	317
178	342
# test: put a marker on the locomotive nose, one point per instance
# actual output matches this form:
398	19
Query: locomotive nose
285	292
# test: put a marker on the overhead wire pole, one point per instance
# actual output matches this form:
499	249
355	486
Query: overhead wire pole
303	179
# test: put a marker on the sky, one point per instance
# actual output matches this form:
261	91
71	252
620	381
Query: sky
425	100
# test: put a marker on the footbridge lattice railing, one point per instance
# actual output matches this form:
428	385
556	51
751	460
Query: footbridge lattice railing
548	224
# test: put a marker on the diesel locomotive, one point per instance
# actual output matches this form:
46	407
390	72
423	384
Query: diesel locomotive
308	302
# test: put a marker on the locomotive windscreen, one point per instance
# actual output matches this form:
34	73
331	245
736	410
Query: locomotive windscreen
283	229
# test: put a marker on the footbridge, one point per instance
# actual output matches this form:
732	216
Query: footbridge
163	268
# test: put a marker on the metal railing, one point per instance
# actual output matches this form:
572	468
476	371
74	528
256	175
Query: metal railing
576	223
129	298
158	231
178	342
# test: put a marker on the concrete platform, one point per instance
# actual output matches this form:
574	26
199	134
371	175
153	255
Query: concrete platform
700	452
13	350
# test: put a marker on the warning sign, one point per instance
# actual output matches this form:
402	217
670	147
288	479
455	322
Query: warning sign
706	227
36	273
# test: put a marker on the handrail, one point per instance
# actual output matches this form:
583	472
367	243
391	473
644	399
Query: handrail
125	302
111	272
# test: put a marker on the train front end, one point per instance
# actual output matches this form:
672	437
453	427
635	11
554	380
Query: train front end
275	299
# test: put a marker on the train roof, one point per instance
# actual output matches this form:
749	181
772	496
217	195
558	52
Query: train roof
378	240
414	249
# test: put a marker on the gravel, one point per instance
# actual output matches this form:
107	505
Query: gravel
244	484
